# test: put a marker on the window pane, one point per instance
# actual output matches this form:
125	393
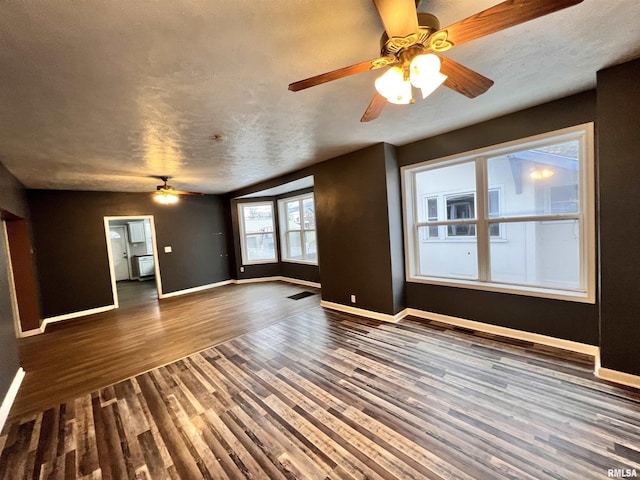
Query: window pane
454	259
432	215
260	247
539	181
293	215
437	182
544	254
563	199
257	218
310	245
294	245
309	214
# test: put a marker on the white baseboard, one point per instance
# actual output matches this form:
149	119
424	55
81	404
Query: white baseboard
10	397
31	333
385	317
508	332
195	289
256	280
297	281
616	376
68	316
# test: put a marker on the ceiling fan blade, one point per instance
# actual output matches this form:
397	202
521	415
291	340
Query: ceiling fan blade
182	192
341	73
462	79
374	109
504	15
399	17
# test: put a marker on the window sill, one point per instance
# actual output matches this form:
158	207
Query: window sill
302	262
258	262
555	294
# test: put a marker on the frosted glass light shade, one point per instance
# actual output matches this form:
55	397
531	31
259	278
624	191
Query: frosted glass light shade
434	81
424	73
392	86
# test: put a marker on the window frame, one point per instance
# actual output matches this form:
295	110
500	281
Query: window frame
284	229
583	133
244	235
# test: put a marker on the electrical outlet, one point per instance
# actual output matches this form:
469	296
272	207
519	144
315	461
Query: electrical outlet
242	269
353	299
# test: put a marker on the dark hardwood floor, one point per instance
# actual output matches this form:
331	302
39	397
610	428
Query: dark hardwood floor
307	393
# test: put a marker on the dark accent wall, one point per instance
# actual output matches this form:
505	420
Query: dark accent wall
12	201
71	249
359	230
567	320
354	217
619	173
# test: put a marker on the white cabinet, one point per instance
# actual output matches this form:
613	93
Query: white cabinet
145	266
136	232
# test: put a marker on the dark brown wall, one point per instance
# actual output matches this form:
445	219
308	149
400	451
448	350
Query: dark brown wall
12	200
619	172
567	320
352	215
71	249
396	234
358	220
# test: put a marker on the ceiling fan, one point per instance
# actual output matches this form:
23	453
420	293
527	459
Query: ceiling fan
412	43
166	194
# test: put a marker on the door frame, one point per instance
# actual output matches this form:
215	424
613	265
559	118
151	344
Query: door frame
156	266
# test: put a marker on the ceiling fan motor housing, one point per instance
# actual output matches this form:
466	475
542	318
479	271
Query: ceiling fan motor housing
428	24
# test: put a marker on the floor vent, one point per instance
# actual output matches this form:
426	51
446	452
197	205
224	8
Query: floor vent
300	295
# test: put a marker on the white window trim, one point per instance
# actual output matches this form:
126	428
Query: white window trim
243	235
584	134
284	244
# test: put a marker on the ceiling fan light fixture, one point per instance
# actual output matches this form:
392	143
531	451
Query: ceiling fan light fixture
435	80
165	198
424	73
393	86
422	67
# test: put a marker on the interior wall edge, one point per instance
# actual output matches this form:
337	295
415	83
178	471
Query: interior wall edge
10	397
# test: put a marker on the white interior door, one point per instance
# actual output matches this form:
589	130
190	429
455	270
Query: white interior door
119	250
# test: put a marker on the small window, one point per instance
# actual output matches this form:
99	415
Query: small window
298	229
461	207
432	216
257	232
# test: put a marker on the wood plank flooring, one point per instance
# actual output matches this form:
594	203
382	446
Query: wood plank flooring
321	395
81	355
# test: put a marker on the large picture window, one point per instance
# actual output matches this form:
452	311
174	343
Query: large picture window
516	217
298	229
257	232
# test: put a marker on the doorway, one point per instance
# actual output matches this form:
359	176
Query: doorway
133	260
17	254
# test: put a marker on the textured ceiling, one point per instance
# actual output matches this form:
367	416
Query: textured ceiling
99	95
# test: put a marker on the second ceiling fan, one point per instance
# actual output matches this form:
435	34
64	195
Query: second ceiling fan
412	44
